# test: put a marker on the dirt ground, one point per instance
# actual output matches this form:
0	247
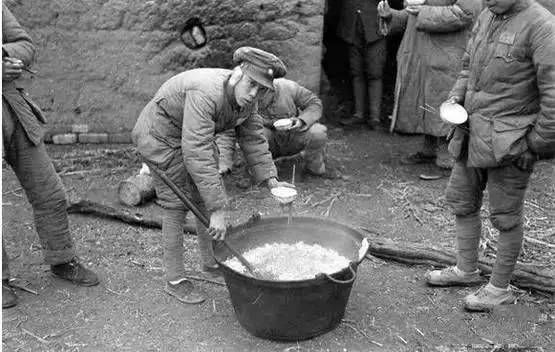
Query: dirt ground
390	307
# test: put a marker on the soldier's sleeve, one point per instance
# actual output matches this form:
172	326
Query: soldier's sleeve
541	138
398	22
250	135
16	42
308	103
444	19
225	141
459	88
197	140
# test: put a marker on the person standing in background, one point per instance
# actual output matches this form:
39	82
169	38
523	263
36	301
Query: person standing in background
23	149
358	27
428	61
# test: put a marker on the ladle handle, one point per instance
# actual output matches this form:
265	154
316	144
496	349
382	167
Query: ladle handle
179	193
344	282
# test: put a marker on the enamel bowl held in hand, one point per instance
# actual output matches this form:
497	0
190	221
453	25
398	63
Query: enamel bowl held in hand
284	195
283	124
453	113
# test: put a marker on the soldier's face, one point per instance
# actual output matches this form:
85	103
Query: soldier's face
246	91
500	6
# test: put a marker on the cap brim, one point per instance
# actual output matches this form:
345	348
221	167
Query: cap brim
263	81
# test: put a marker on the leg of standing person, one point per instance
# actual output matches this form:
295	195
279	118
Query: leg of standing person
45	192
427	153
358	77
173	219
464	194
375	57
507	188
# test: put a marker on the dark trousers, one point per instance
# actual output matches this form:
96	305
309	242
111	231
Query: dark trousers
366	63
43	188
506	187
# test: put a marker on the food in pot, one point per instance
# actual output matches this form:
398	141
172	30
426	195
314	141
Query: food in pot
290	262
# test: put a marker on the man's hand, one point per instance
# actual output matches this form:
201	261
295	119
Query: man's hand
453	100
224	170
296	124
413	9
218	225
526	160
11	69
384	10
273	183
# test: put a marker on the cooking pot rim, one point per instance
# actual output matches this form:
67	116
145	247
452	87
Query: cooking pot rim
320	277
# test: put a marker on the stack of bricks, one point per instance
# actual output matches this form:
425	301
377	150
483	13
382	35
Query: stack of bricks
79	133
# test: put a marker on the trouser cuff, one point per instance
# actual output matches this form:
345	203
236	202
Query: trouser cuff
61	256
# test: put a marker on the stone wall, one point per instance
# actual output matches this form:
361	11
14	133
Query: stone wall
100	61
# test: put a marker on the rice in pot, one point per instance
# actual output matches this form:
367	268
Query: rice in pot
290	262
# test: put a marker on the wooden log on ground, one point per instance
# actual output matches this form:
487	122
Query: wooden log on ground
524	276
136	189
106	211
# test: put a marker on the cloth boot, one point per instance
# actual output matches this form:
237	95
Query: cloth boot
469	228
508	249
172	237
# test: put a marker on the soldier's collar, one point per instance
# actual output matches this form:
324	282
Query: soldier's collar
230	96
517	7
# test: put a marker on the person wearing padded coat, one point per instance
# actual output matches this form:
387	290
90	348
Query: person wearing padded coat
290	100
507	85
23	149
176	132
428	62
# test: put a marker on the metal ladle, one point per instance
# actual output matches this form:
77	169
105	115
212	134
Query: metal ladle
198	213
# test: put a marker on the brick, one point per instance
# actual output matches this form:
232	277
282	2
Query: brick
79	128
94	138
66	138
121	138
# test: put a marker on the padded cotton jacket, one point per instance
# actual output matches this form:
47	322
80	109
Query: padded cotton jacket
508	85
193	106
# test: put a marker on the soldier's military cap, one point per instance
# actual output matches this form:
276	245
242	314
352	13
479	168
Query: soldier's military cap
259	65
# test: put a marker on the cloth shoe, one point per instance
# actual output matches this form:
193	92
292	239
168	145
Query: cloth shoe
487	297
185	292
9	299
352	121
418	158
452	276
212	271
374	124
75	272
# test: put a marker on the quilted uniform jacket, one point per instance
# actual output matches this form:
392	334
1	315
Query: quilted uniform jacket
195	105
508	85
16	43
429	60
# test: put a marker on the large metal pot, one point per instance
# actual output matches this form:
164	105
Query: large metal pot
291	310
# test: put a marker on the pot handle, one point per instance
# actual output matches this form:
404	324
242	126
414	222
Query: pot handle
348	281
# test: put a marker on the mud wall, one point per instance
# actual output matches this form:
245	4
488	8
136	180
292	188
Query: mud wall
100	61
